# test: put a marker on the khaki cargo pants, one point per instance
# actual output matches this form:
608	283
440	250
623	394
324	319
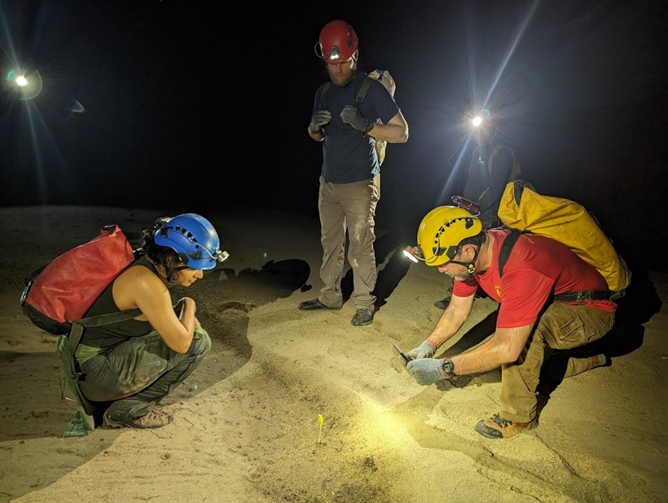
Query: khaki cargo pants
351	208
561	327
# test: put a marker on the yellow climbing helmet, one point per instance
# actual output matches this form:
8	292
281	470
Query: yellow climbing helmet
441	231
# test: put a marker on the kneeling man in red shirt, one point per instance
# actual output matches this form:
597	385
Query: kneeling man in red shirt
550	300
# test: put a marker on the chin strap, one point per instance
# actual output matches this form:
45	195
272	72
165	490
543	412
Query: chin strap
470	266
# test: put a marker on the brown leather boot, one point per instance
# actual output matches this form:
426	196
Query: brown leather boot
497	427
597	361
154	419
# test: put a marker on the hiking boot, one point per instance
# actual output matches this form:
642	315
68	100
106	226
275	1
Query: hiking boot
312	305
597	361
154	419
443	303
497	427
362	317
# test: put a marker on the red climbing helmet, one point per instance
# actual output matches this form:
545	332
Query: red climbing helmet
337	42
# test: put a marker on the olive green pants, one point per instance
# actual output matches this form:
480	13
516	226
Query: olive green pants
348	208
561	327
136	375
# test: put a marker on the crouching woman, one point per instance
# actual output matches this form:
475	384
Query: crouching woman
136	363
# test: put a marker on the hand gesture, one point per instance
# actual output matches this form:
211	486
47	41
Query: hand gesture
427	370
319	119
424	350
351	115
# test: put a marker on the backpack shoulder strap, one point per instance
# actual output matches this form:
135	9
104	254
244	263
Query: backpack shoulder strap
507	247
515	169
96	321
323	92
492	155
361	94
108	319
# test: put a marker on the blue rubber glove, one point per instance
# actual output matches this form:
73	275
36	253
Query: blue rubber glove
427	371
351	115
424	350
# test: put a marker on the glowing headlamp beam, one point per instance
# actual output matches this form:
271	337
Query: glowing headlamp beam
518	37
407	254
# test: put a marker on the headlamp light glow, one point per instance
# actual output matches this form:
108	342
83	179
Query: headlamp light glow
413	253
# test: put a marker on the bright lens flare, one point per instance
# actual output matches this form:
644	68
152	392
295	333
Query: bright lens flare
29	85
477	121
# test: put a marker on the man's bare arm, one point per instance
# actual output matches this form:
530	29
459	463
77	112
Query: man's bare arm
451	320
504	347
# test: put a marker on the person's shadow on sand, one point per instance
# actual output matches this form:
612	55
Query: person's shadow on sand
639	304
392	267
224	301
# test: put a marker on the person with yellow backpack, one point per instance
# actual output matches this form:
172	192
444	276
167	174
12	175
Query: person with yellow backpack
493	164
554	296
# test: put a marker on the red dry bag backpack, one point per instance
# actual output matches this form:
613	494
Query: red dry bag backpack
63	290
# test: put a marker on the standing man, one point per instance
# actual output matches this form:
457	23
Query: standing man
350	176
551	300
493	165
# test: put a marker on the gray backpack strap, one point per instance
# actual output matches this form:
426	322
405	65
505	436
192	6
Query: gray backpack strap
96	321
108	319
361	94
325	88
84	421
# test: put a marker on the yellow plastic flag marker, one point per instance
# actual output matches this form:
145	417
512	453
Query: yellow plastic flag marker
320	420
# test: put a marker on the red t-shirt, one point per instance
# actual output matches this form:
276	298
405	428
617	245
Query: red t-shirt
537	268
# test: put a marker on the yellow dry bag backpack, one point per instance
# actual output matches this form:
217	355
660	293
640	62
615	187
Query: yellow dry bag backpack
568	222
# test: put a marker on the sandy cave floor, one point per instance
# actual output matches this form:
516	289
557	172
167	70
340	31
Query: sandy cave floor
246	421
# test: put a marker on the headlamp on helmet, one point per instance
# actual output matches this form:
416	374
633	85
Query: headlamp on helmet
441	231
414	253
193	238
479	119
337	42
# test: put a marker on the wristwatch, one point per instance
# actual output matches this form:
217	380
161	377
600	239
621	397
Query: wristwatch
448	368
368	126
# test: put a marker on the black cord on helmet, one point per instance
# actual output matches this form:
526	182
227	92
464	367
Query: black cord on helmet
470	266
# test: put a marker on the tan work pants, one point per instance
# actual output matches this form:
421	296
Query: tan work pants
561	327
351	208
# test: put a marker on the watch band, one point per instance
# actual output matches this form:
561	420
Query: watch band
448	368
368	126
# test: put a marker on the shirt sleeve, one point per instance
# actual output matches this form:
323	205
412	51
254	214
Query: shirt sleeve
524	292
464	288
382	104
317	99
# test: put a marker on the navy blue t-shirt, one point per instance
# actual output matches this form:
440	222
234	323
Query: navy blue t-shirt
347	155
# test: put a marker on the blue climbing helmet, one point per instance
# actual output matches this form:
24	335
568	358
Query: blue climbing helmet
193	238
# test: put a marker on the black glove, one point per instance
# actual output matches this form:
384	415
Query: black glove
319	119
351	115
